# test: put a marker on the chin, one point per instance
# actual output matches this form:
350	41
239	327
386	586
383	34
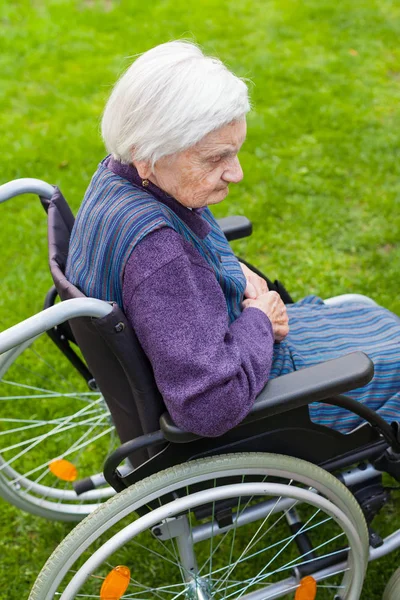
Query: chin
218	196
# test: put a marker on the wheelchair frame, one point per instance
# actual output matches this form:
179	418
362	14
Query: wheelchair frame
283	400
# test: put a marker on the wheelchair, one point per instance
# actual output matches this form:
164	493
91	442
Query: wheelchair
278	507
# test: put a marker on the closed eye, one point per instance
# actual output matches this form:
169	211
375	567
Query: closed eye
219	157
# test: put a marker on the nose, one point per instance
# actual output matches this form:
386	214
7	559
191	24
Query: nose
233	173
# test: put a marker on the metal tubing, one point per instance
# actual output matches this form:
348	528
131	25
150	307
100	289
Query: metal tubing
111	466
246	516
60	340
94	482
41	322
259	511
279	589
366	413
321	562
26	185
390	543
274	591
372	451
350	298
186	551
357	475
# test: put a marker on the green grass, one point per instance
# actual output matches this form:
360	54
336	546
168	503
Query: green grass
321	162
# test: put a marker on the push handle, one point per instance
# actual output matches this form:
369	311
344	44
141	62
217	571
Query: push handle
26	185
50	317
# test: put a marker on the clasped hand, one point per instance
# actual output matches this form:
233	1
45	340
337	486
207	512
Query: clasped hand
257	295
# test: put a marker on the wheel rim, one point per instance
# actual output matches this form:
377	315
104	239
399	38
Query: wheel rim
48	413
85	569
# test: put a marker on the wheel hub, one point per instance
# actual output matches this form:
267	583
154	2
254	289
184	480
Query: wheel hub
199	589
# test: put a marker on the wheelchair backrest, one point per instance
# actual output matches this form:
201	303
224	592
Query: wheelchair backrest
109	345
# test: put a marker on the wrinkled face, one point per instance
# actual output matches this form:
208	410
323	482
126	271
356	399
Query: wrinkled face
201	175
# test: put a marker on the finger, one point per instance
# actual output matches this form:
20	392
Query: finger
284	332
281	332
250	291
253	280
275	295
259	283
279	338
263	286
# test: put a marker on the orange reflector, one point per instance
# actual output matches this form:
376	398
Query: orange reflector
307	589
115	584
63	469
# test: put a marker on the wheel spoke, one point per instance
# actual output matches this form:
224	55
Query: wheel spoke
212	534
67	418
249	545
47	393
270	547
46	463
283	548
134	582
264	566
33	442
163	557
69	451
233	528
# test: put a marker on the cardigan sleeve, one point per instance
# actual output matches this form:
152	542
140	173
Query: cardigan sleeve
208	371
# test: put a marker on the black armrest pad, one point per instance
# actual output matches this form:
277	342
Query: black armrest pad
313	384
296	389
235	227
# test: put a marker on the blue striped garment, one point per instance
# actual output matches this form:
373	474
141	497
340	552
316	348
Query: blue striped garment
320	332
114	217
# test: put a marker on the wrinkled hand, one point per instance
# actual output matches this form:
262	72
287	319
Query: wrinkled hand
271	304
256	285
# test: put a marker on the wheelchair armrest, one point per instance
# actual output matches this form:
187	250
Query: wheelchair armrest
235	227
312	384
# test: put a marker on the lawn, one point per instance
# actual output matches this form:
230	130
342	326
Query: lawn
321	162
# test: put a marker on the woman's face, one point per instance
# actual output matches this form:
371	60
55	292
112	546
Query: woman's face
201	175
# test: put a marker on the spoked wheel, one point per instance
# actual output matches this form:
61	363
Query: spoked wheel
250	526
54	430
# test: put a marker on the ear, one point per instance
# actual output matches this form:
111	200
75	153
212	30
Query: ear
143	168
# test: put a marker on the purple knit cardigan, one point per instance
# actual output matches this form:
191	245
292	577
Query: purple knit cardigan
208	371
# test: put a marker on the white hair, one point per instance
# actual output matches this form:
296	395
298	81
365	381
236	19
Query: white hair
168	100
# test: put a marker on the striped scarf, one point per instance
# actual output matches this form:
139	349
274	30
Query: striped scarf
115	216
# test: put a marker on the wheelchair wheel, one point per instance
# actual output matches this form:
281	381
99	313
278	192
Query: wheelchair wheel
251	526
392	590
53	430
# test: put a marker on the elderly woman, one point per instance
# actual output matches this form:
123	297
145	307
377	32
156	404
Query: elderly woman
145	238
